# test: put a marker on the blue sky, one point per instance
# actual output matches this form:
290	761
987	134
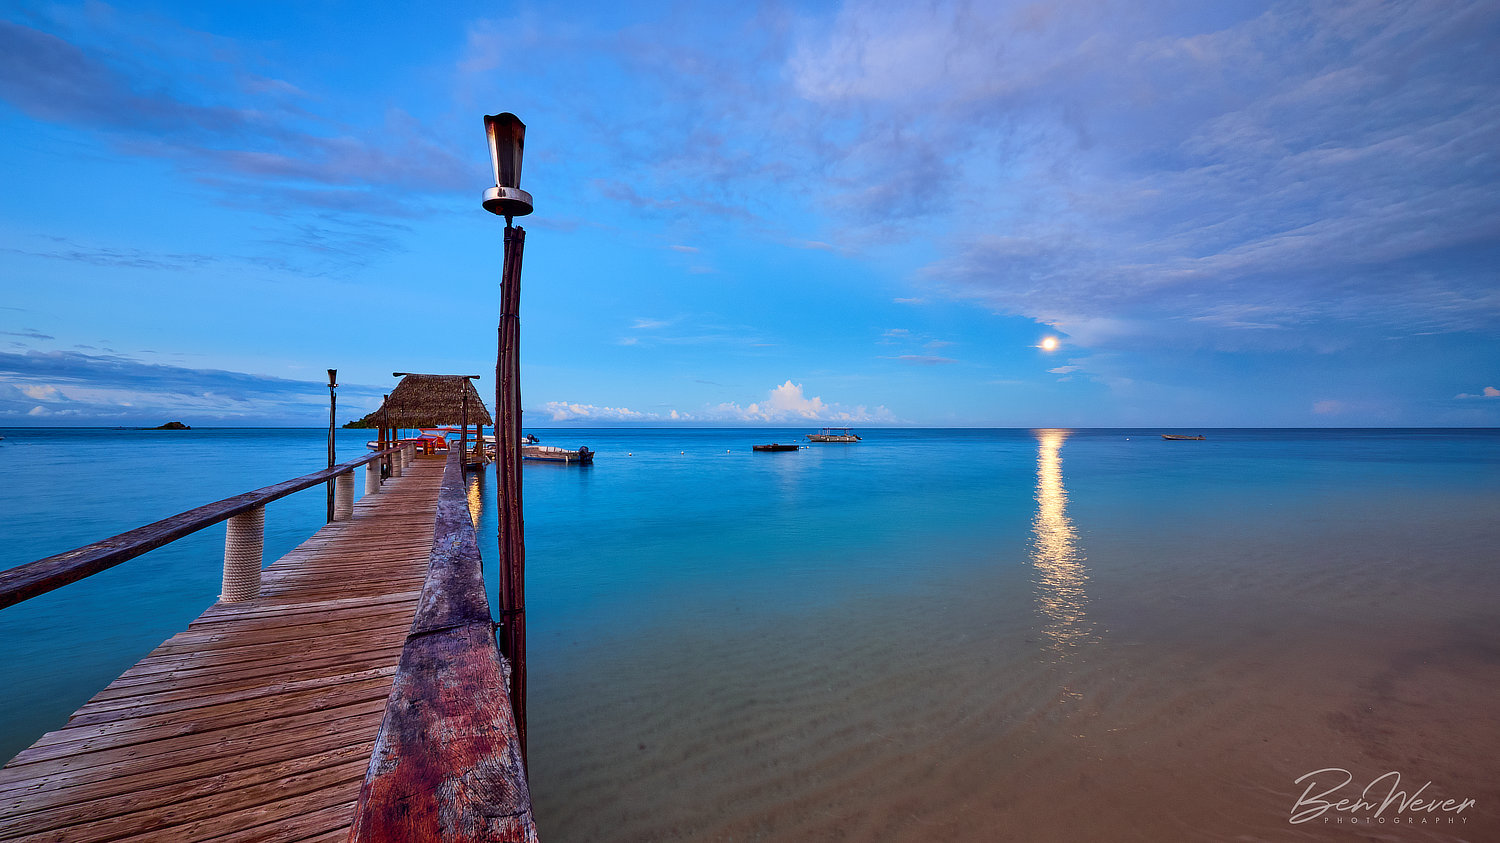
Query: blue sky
1228	214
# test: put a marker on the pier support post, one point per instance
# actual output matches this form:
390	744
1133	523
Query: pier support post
343	496
244	543
397	465
372	477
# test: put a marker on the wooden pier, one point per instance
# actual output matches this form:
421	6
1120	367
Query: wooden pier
258	722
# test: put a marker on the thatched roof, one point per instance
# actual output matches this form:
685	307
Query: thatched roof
432	401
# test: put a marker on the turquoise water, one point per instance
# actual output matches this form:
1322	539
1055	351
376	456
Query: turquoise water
919	636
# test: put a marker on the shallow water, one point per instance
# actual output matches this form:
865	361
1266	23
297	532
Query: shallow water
955	635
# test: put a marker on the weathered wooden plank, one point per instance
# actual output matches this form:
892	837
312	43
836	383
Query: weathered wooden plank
37	762
83	823
313	809
447	764
149	793
202	701
245	674
51	784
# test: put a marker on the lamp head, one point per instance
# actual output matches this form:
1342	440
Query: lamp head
507	137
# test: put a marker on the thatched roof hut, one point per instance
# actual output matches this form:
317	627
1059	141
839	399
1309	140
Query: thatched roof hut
431	401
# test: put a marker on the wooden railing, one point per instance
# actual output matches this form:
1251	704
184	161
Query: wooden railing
244	537
447	763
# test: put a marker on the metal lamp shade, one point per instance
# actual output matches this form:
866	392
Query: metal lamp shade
507	136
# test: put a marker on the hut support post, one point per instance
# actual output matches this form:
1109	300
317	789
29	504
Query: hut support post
463	435
508	476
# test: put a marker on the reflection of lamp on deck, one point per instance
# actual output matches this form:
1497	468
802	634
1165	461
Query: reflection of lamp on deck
507	141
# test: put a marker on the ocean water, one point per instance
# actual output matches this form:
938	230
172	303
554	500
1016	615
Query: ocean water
927	635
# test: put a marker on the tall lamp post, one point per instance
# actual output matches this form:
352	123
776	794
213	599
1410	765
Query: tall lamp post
507	140
332	402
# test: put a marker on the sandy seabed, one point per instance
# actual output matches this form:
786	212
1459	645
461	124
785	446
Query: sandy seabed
1157	690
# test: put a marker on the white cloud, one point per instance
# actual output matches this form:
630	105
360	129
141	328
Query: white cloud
1489	392
565	411
787	402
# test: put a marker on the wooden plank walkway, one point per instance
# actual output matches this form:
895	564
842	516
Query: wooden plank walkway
257	721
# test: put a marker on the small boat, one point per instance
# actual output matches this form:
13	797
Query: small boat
775	446
1176	436
833	434
552	453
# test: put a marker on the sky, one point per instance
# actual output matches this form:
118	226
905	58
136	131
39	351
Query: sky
1225	214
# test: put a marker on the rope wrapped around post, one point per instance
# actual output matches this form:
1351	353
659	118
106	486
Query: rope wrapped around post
343	496
397	465
244	545
372	477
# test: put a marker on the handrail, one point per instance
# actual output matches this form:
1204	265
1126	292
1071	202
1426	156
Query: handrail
447	763
24	582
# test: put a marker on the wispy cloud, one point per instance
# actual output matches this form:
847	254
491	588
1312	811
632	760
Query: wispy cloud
75	388
923	359
1487	392
785	403
1278	175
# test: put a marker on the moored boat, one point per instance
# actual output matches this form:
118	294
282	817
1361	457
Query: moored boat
552	453
1178	436
834	434
775	446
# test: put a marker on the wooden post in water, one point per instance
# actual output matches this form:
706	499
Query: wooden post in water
508	475
507	140
332	403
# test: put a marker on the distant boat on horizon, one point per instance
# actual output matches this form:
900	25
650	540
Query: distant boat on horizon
834	434
1180	436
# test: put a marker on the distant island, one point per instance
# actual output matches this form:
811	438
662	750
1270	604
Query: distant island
360	424
171	426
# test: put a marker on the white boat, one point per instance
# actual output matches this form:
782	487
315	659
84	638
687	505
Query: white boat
834	434
552	453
